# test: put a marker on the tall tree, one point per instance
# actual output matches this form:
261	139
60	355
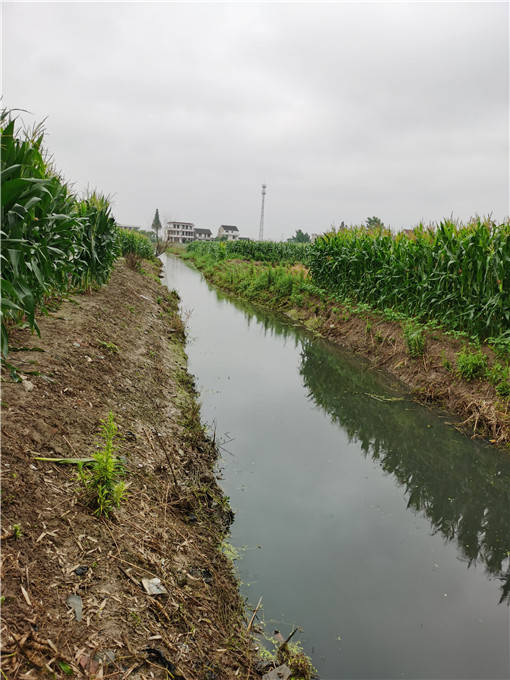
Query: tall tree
156	224
375	223
299	237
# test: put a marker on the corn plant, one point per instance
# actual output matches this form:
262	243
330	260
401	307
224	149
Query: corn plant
262	251
136	243
51	242
457	275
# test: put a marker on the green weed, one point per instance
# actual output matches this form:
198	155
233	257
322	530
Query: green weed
499	376
101	481
414	339
471	364
446	362
110	346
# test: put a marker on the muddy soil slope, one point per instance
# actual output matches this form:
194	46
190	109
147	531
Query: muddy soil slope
119	349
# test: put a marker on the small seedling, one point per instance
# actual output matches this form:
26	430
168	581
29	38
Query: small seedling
446	362
110	346
17	531
101	481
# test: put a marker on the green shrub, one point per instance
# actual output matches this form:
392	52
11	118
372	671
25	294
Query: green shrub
471	364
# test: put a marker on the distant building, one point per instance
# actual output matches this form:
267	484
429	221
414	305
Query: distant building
203	234
130	227
231	232
180	232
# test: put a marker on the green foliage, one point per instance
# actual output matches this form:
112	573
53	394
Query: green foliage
110	346
299	237
446	363
65	668
499	376
262	251
457	275
414	338
135	242
471	364
101	482
501	344
374	223
51	242
16	528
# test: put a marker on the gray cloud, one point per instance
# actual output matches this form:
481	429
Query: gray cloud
344	110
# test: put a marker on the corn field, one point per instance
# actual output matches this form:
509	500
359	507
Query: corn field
262	251
457	275
51	241
136	243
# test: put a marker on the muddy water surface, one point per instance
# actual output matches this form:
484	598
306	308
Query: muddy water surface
360	516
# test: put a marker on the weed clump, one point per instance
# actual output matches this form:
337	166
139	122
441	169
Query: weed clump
499	376
471	364
103	488
415	339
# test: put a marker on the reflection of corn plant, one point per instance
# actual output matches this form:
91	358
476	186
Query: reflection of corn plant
51	241
101	481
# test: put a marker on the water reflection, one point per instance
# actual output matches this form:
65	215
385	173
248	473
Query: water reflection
464	491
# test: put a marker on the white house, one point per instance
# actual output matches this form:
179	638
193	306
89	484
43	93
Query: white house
231	232
180	232
203	234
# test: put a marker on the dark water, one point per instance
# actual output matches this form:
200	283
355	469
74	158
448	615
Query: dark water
375	526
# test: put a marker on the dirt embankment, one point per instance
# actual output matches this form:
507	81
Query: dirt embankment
118	349
431	377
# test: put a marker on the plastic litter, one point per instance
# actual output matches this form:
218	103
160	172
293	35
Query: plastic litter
76	604
153	586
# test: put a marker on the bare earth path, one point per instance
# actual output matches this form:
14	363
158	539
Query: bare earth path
118	349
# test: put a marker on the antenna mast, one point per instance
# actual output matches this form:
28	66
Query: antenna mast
261	230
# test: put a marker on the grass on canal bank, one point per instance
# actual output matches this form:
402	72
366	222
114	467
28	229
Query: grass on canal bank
443	367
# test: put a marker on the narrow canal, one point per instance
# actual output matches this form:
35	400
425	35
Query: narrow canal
360	516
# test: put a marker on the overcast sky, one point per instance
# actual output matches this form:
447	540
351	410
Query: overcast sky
344	110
